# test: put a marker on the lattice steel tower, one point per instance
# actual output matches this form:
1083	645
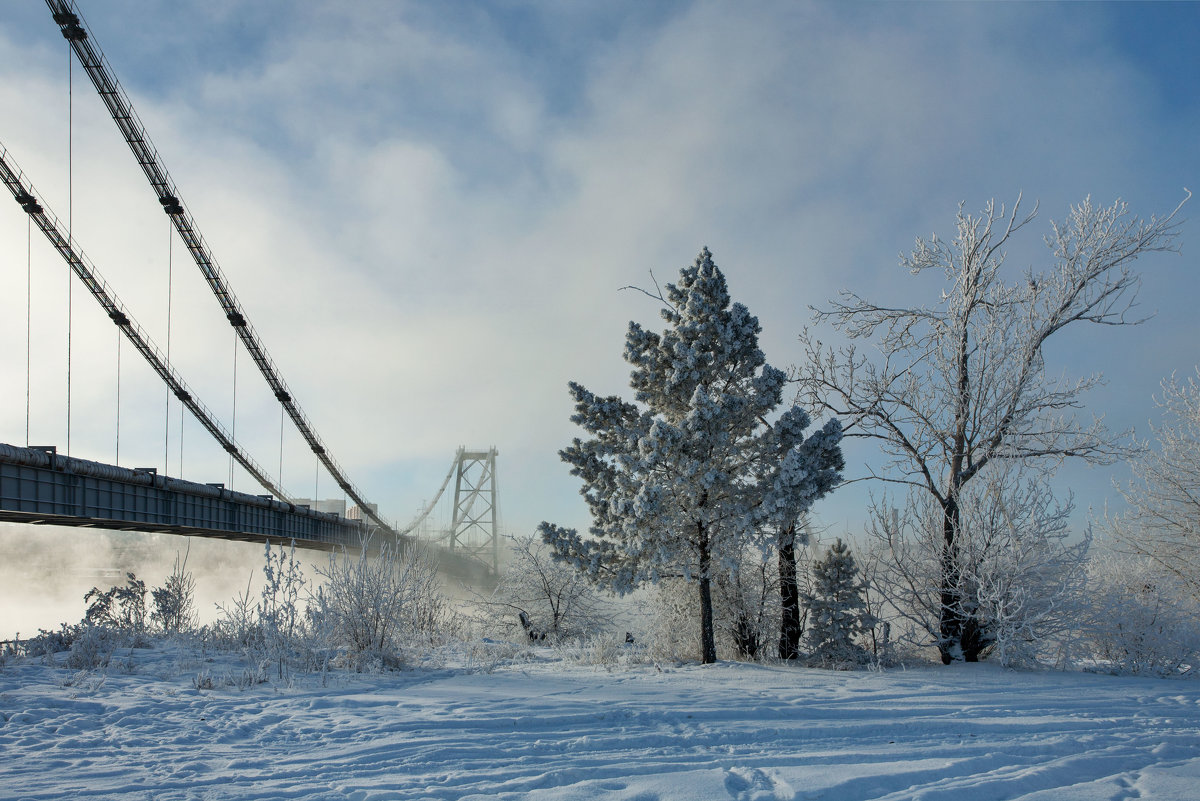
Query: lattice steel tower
475	528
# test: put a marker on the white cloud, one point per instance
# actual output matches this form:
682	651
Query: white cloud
429	223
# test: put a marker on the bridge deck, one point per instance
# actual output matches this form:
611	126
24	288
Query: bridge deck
40	486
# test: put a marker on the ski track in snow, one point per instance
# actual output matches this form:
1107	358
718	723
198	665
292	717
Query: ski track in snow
549	730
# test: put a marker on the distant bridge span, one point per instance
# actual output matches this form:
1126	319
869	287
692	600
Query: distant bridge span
40	486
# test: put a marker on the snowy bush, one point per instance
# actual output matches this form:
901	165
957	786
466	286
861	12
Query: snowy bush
539	599
746	605
608	651
93	648
280	614
47	643
236	625
120	608
745	613
1162	516
674	632
486	655
376	604
270	632
1142	620
174	603
878	640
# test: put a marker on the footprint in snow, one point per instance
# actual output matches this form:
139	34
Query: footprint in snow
1127	790
752	784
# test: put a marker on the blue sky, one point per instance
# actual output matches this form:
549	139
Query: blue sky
428	208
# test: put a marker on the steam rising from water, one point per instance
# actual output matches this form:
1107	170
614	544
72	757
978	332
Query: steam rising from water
46	570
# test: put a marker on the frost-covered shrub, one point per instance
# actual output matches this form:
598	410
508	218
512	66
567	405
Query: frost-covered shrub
280	614
745	614
122	608
83	681
47	643
270	631
236	625
487	655
174	604
1017	568
674	631
539	599
1142	621
93	647
377	604
607	651
1162	515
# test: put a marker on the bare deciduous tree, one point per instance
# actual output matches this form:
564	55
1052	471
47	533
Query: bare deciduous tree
961	384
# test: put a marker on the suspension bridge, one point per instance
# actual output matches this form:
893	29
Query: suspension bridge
41	485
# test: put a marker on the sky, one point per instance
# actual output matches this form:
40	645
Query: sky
429	209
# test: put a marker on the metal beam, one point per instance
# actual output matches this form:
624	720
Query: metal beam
40	487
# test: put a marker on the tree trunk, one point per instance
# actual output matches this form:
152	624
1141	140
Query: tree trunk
962	635
950	628
790	625
708	642
745	634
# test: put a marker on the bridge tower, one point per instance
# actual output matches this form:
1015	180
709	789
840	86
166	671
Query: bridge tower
475	528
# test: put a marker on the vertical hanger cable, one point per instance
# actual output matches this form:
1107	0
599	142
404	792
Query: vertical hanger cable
167	412
28	319
281	423
70	219
117	458
233	431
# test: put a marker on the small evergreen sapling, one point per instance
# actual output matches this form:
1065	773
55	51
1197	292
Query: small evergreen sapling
837	608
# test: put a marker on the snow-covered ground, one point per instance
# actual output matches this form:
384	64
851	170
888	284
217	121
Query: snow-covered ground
545	728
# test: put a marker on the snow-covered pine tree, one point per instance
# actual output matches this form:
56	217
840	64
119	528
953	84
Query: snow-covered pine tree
691	473
837	607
